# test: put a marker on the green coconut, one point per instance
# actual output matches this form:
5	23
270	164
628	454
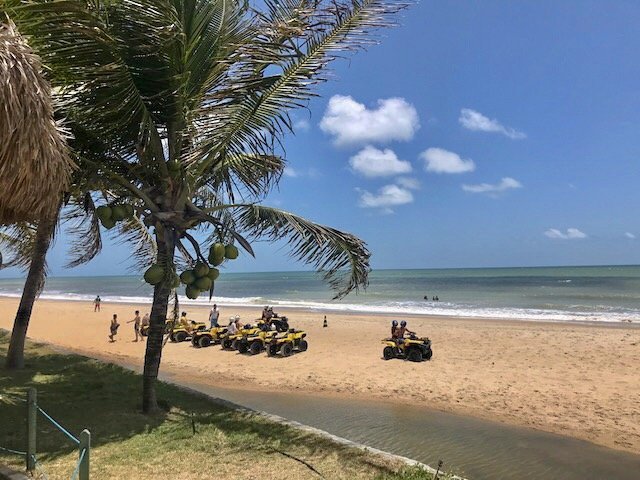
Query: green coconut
201	269
118	213
231	252
103	212
188	277
203	284
192	292
108	223
213	274
217	250
215	260
154	274
129	211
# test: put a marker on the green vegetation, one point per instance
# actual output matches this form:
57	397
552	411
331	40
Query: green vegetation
412	473
83	393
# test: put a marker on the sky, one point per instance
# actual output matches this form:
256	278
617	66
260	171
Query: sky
476	134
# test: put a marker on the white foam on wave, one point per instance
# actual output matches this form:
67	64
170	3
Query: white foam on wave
600	313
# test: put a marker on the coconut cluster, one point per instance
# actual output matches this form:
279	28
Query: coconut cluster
201	277
110	214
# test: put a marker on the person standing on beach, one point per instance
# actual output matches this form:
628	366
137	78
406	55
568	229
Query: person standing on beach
96	304
214	314
136	325
113	328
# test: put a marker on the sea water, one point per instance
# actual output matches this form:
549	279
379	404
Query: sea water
599	293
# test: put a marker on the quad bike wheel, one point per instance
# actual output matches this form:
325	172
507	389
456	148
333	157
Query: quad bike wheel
242	347
226	344
204	341
427	355
286	349
234	344
255	348
272	350
303	345
414	355
195	342
172	337
388	353
180	336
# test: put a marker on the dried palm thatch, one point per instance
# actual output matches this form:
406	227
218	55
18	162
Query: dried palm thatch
35	162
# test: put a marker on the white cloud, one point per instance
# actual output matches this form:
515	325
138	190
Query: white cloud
388	196
290	172
630	235
352	123
438	160
409	183
372	162
507	183
571	234
472	120
302	124
309	172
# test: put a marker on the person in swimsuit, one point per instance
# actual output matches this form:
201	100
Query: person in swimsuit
394	329
136	325
113	328
402	330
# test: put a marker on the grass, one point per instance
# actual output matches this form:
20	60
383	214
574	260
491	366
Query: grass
83	393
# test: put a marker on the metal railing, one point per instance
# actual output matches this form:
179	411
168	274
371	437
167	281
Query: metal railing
81	470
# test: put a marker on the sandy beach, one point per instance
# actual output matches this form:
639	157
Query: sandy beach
572	379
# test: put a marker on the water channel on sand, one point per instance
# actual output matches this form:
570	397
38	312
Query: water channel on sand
477	449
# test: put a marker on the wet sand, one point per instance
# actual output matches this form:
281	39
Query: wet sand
572	379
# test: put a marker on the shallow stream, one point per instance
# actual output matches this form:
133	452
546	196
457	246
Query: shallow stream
476	449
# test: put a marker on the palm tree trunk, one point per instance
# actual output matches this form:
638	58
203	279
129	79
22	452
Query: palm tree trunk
32	288
166	246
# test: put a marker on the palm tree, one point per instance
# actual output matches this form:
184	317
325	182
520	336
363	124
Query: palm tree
27	246
183	105
35	164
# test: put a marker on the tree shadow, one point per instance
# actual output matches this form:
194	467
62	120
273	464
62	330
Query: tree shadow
80	393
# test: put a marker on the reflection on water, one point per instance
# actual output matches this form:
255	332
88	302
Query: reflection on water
475	448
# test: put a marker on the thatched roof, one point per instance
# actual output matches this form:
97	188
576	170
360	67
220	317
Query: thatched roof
35	164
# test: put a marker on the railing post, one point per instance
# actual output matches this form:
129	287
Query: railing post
85	443
32	415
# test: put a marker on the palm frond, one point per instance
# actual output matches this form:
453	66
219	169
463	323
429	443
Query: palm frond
261	118
342	258
109	60
252	173
136	234
84	231
17	243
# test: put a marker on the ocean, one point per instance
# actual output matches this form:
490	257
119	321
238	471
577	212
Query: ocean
600	294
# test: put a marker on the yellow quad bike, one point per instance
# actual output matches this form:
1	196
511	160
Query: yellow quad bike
204	338
180	333
144	329
257	342
412	348
234	342
287	343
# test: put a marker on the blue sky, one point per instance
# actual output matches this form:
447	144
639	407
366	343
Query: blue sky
492	133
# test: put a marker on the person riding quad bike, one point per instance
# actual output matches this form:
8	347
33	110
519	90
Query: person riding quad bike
280	323
411	348
401	331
